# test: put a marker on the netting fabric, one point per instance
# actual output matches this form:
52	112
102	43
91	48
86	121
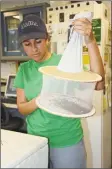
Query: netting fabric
67	89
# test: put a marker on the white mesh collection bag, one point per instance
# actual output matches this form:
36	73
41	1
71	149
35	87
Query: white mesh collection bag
67	89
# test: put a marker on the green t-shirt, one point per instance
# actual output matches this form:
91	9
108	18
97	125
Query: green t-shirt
60	131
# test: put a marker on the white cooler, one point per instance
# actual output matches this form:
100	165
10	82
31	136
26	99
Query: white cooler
20	150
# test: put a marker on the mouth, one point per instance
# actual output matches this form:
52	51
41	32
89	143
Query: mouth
36	54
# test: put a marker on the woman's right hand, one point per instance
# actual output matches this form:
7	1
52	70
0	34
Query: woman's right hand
25	107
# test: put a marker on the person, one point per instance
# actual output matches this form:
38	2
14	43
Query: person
65	135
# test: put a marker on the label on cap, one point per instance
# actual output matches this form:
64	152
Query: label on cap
28	23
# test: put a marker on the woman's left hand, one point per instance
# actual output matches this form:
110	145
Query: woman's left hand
84	27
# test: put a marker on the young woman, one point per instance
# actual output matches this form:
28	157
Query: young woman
65	135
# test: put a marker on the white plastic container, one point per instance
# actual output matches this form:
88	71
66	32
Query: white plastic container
67	94
67	89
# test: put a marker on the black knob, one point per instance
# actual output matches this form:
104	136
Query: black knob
99	2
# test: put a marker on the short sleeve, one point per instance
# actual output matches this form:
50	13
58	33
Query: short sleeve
19	81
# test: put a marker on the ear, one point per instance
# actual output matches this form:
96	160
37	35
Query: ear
47	41
48	44
48	37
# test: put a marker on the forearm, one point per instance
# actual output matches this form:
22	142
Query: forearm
96	64
26	108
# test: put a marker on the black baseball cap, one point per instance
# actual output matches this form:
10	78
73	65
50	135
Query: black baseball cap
32	27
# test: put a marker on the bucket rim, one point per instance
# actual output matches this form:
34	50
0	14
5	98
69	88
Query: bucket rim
84	76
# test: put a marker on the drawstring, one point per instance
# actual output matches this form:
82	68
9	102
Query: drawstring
70	32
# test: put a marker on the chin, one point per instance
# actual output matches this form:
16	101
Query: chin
37	58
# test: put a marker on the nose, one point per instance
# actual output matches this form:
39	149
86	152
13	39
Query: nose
34	48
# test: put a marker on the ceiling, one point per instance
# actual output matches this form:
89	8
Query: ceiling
12	4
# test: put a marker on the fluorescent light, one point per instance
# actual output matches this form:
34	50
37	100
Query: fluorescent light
17	17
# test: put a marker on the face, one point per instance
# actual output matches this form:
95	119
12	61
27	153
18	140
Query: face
36	49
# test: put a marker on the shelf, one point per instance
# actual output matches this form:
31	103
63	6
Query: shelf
15	58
